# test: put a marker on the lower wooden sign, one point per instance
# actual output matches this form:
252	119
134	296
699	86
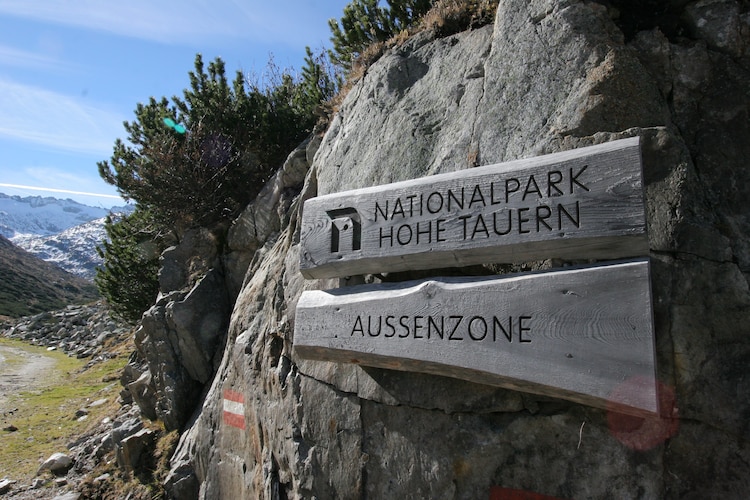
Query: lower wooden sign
580	334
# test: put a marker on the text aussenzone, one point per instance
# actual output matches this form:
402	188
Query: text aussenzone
445	327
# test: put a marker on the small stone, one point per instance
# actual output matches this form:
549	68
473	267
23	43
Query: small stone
10	428
98	402
68	496
103	477
37	483
5	485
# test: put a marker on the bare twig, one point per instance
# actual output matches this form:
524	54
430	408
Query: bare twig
580	434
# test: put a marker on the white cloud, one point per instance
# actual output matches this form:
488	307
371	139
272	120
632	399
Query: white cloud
10	56
172	21
163	21
56	190
55	120
78	182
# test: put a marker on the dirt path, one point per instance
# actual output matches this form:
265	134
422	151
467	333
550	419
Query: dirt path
21	371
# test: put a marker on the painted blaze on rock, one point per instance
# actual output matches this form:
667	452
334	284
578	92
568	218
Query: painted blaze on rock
588	200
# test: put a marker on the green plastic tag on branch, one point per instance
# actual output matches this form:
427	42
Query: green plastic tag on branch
180	129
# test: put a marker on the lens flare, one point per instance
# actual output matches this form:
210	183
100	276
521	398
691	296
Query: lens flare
641	433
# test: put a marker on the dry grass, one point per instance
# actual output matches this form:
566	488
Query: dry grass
452	16
45	417
148	486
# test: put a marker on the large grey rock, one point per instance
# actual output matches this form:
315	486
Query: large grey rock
723	24
126	425
142	392
267	214
57	463
5	485
182	264
549	75
135	451
179	337
72	495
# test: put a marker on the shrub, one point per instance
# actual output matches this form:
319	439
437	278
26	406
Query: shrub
452	16
128	277
198	161
365	23
202	158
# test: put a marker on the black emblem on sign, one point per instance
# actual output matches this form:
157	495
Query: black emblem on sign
346	230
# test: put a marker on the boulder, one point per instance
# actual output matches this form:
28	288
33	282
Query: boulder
549	75
182	264
72	495
144	395
266	214
127	424
57	463
135	451
5	485
178	338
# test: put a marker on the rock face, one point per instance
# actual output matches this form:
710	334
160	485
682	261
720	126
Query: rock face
180	336
549	75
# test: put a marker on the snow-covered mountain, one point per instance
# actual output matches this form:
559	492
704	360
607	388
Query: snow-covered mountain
43	216
73	249
63	232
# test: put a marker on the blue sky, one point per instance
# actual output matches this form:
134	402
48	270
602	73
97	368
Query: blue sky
72	71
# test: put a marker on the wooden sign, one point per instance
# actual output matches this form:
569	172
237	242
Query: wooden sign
584	203
581	334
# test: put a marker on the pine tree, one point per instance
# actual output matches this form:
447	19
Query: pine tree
197	160
200	159
364	22
319	82
128	277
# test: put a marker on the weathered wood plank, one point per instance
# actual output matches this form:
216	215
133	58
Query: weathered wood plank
578	334
584	203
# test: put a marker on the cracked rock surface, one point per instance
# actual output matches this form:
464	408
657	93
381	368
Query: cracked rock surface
547	76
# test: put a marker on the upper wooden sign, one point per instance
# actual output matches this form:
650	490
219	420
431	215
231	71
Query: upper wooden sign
583	203
583	334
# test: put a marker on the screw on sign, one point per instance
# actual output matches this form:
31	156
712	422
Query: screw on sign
498	493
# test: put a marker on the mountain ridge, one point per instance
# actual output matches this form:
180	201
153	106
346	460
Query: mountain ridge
73	249
45	216
61	231
29	285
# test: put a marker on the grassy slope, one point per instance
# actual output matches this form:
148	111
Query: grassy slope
45	417
28	285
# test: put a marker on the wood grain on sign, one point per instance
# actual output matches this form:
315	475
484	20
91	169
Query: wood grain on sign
583	203
576	334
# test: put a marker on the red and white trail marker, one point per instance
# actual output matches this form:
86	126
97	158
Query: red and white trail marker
234	409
